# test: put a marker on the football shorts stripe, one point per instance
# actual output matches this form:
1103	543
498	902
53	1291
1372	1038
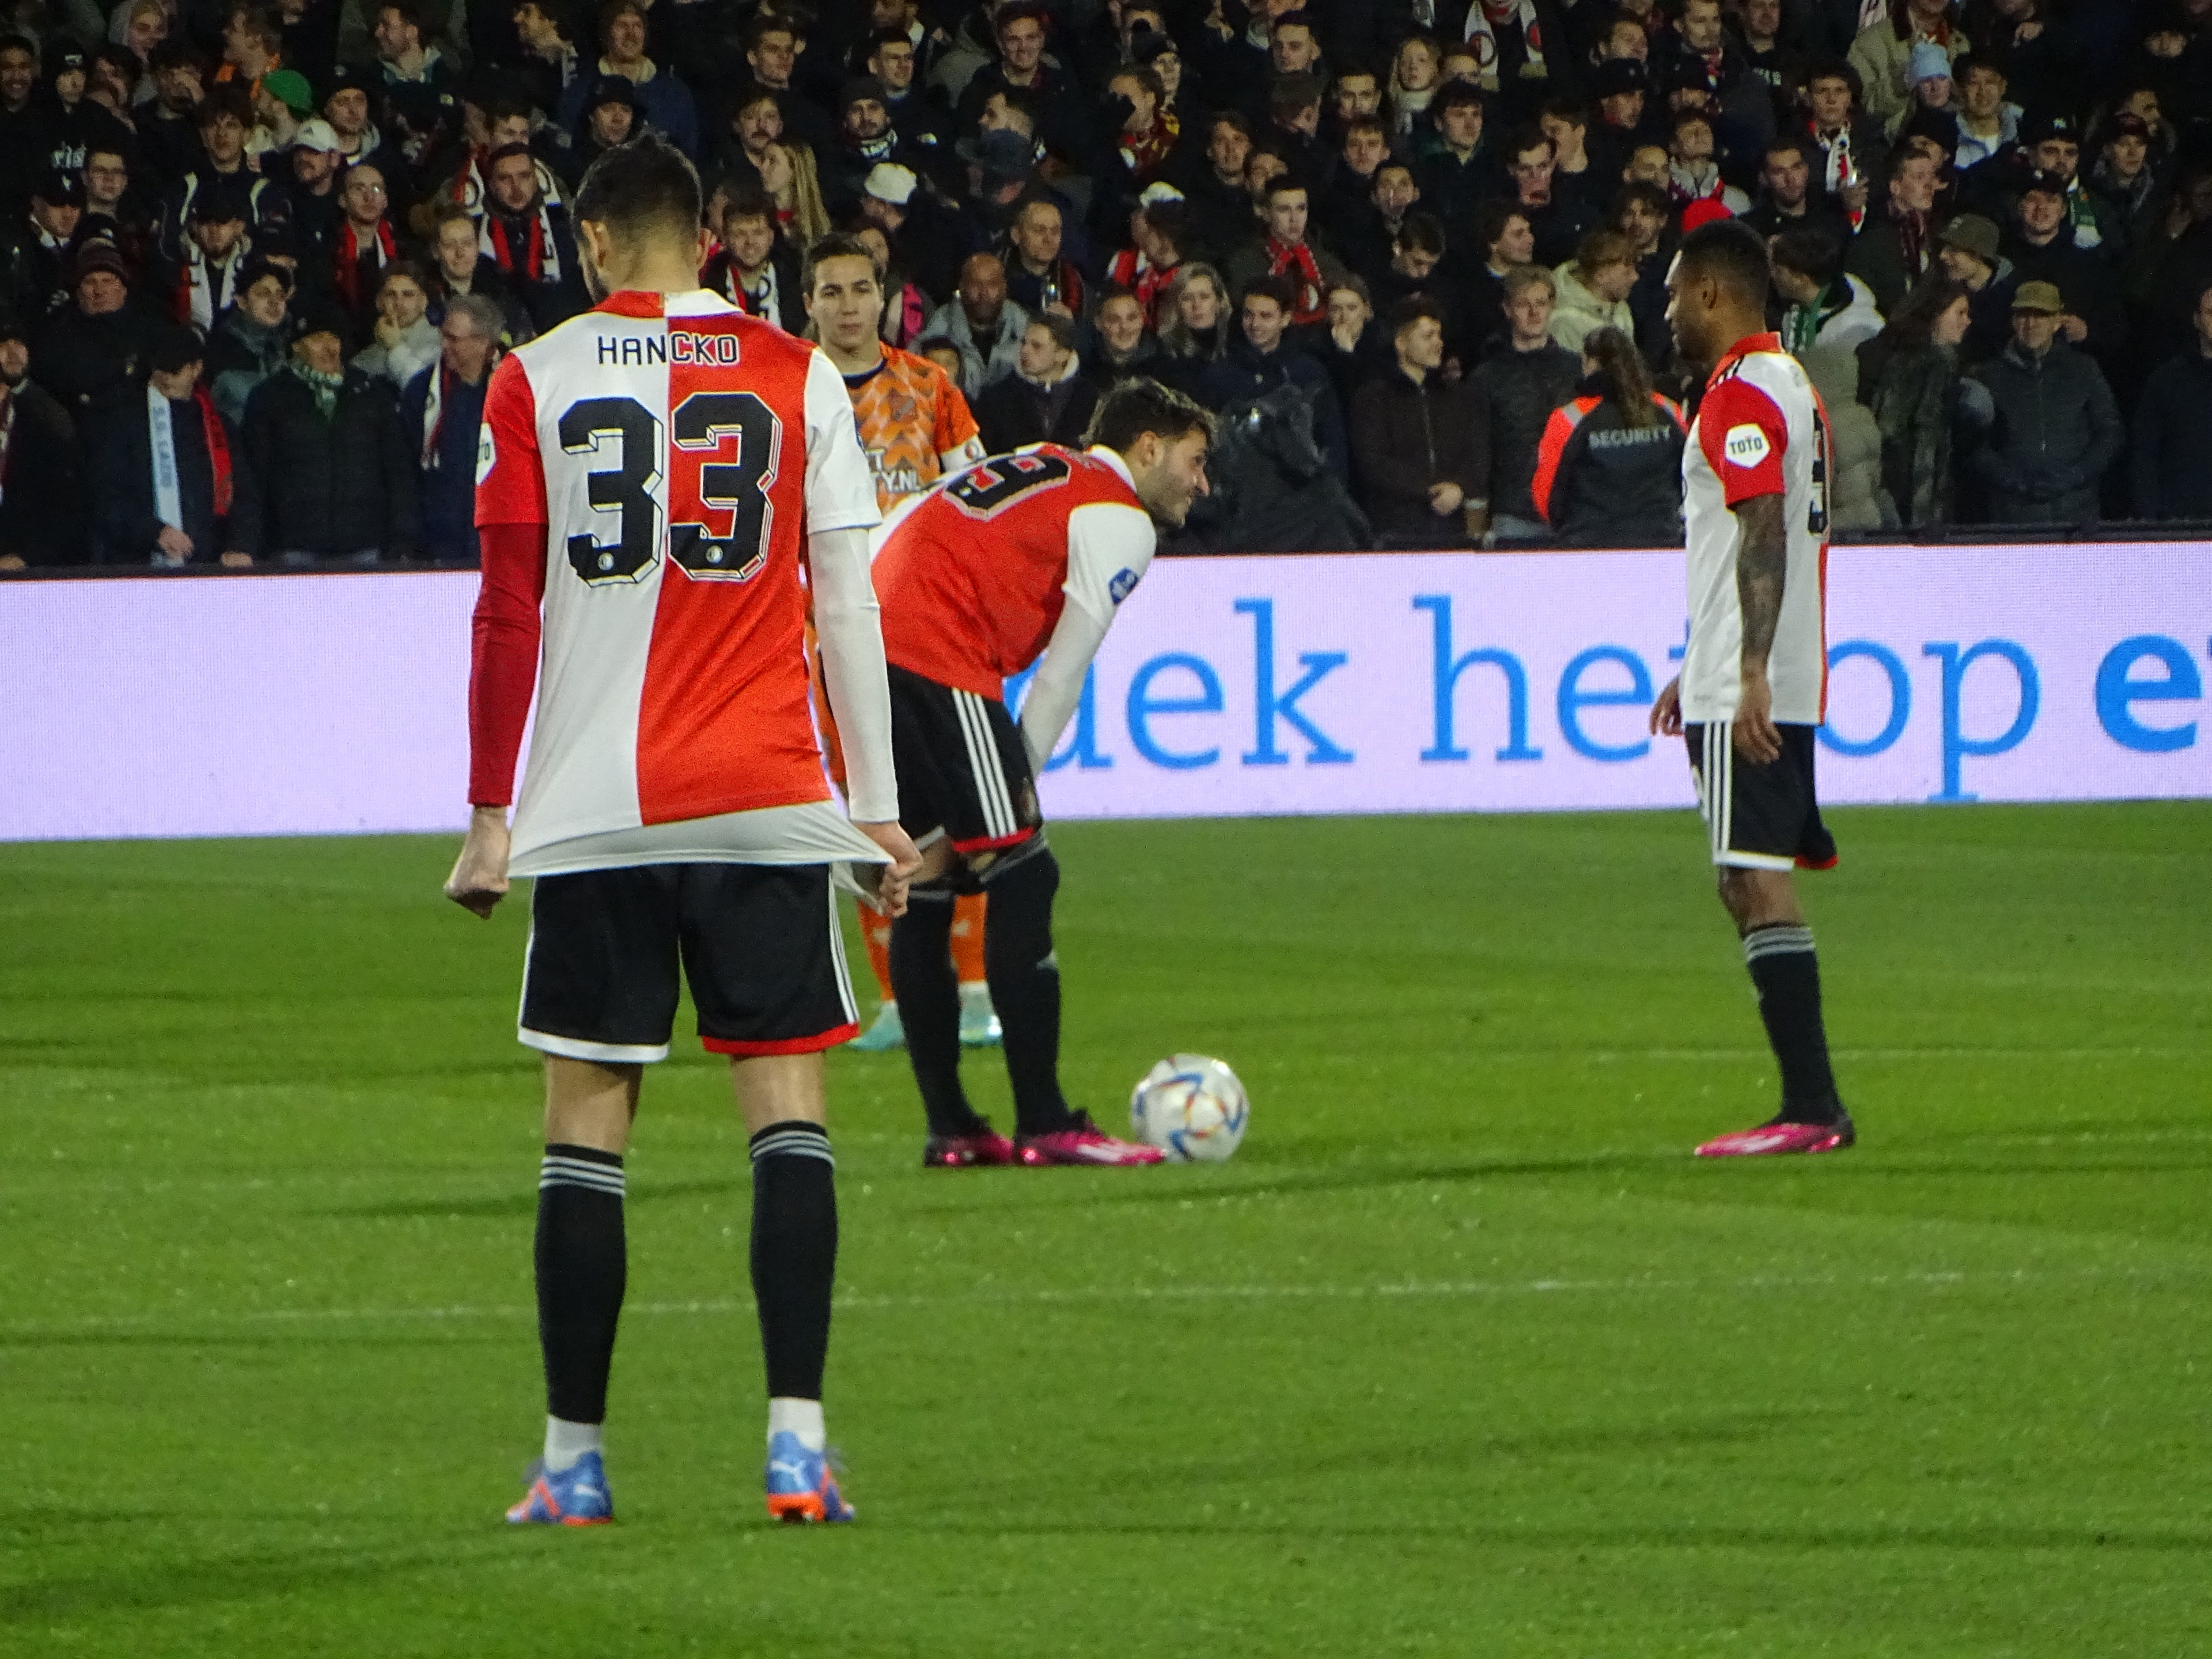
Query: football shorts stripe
606	1054
990	770
837	952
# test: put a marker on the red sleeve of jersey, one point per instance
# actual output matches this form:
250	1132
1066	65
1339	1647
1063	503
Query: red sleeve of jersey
510	472
503	657
1744	435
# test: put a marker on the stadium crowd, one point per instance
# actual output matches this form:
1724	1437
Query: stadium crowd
258	263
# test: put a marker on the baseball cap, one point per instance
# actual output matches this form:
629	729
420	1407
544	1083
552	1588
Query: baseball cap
2044	184
2042	297
861	86
59	189
1971	233
221	203
289	88
317	135
2127	124
63	58
612	89
2049	127
1929	62
1001	153
1618	76
887	181
349	79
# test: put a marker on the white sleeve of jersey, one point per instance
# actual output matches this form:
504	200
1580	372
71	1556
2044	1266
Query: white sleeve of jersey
1108	548
841	492
849	624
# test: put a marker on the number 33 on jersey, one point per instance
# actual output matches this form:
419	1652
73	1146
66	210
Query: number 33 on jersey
676	452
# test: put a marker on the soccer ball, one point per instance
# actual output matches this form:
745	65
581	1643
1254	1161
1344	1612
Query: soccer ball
1191	1107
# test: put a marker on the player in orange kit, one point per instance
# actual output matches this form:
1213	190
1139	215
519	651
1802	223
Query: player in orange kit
915	426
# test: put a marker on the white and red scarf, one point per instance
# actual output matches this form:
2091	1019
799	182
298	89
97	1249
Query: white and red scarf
1297	263
203	293
1485	17
537	259
346	266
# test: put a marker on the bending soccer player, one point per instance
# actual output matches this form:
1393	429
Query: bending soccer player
645	472
1753	684
915	427
1021	561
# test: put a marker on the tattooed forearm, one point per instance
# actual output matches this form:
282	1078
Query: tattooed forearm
1762	566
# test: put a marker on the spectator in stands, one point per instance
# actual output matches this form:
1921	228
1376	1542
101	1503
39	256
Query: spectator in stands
1967	250
2171	461
1558	220
170	483
416	89
1693	169
1261	358
1565	121
550	64
756	270
1419	449
1896	246
610	118
1416	69
199	288
982	323
283	101
1287	251
2129	192
1046	400
461	267
1159	230
91	351
441	412
336	471
1883	51
1196	332
222	119
529	240
1609	467
2057	426
787	175
1592	290
1787	200
1909	378
1462	171
2044	249
1357	346
1525	377
40	499
1850	151
1126	347
366	242
1503	240
1040	278
662	98
36	253
1987	124
404	341
251	340
1825	304
1932	105
112	202
26	140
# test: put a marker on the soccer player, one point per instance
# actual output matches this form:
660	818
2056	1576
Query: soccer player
1021	561
915	426
644	474
1753	684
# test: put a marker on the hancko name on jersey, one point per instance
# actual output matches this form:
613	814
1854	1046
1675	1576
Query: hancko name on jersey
720	350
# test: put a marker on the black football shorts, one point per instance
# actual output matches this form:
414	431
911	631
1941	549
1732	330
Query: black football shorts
963	771
1759	818
759	944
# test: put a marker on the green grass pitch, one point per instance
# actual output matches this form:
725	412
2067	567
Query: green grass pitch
1462	1355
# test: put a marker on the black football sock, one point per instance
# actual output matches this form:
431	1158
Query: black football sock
582	1261
1024	980
928	991
1788	976
794	1254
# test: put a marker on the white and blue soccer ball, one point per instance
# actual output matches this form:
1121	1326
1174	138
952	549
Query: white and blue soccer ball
1192	1107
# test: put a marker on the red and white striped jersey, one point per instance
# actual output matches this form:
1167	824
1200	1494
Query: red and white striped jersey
677	452
1761	431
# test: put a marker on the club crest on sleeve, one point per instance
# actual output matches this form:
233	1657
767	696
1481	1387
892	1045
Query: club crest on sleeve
487	456
1746	445
1123	585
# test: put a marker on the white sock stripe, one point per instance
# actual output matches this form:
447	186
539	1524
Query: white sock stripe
1779	942
551	1179
592	1165
794	1143
555	1171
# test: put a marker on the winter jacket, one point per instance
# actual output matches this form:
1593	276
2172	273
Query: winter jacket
1407	437
664	101
42	497
1017	410
1876	258
334	486
982	361
1518	391
1847	317
240	355
1856	500
2172	455
1882	59
447	484
1602	483
2084	279
419	347
2056	431
1271	489
1242	374
1580	313
125	523
88	361
1913	396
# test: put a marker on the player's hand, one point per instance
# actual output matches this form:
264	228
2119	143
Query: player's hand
479	877
1667	710
1756	739
891	884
